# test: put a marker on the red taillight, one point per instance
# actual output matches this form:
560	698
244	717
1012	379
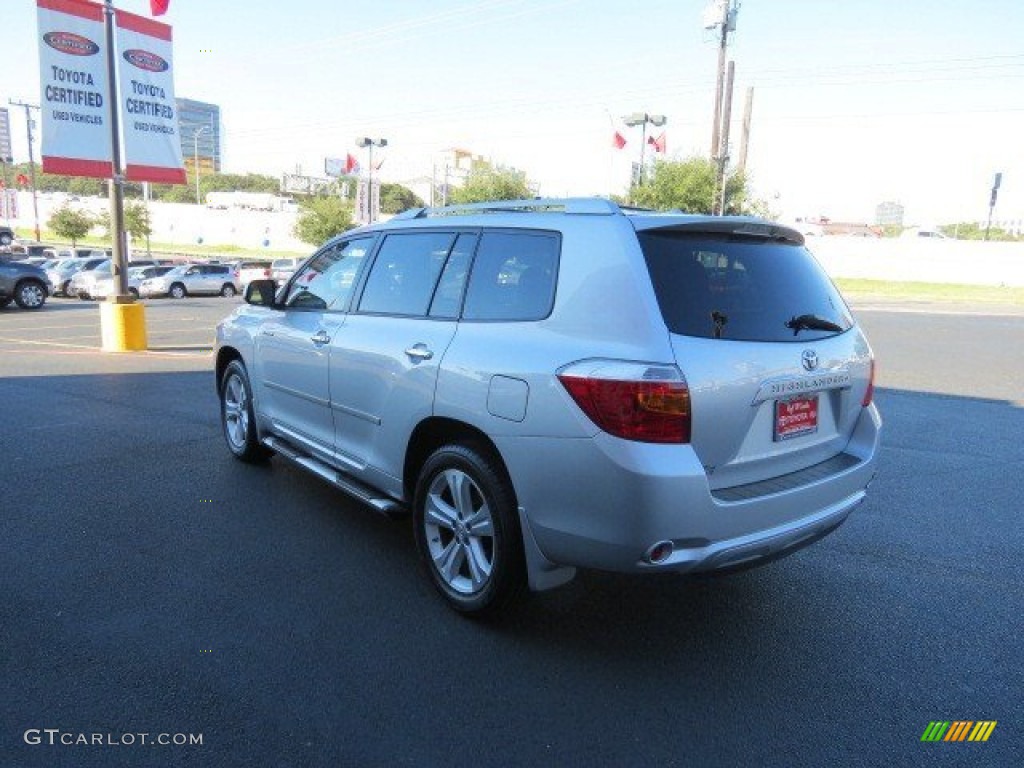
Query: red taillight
655	411
266	272
869	393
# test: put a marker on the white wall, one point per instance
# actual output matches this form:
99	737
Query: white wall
921	260
185	224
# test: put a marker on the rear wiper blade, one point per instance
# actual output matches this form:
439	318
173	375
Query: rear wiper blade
812	323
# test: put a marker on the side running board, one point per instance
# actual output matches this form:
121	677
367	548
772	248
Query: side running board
352	487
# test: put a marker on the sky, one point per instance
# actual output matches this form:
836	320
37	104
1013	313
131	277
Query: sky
854	103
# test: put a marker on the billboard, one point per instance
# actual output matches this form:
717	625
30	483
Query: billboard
6	156
152	147
75	95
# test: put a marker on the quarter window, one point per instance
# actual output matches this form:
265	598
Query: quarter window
513	277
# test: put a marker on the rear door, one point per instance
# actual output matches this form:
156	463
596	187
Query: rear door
776	367
384	362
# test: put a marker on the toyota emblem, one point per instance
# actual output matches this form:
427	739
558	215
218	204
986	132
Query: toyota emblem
809	358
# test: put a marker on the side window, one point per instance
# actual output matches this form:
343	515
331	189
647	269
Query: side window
513	277
405	272
326	282
448	296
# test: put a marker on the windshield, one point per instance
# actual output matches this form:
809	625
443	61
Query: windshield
741	288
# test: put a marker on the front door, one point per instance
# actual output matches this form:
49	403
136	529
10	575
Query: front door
295	347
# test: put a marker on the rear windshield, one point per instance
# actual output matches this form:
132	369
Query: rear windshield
741	288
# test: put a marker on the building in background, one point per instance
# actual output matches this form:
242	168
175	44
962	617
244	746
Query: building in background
200	130
889	214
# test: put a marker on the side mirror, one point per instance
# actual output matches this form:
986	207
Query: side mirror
260	293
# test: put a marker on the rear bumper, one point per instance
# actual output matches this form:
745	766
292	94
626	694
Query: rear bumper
628	497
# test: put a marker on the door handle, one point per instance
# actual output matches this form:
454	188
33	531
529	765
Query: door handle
419	352
320	337
265	332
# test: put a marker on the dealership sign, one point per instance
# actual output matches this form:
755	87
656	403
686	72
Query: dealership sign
148	117
73	75
76	95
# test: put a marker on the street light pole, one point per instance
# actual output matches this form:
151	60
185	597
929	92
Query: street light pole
642	119
369	143
31	159
195	157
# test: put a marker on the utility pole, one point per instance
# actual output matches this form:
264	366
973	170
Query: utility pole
741	165
716	123
723	149
31	158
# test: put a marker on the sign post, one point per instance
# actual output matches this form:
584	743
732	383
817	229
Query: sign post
992	201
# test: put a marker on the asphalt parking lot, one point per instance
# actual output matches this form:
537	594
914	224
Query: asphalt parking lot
153	585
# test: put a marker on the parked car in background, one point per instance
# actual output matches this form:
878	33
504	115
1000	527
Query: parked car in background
254	270
21	250
62	274
282	269
548	385
105	287
84	279
93	253
193	280
25	284
65	253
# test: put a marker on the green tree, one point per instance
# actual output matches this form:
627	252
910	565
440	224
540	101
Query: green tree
485	184
137	221
394	198
322	218
70	223
972	230
689	186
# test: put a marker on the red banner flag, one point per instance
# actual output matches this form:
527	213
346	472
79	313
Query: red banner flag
657	143
351	165
618	140
158	7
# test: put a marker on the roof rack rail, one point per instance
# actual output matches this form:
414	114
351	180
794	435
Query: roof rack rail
574	205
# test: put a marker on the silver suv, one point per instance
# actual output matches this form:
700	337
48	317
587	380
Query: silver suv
553	384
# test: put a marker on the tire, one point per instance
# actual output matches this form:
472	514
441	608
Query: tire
237	418
467	530
6	239
66	289
177	291
30	294
228	291
134	292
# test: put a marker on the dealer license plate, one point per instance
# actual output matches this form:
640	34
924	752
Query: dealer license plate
795	417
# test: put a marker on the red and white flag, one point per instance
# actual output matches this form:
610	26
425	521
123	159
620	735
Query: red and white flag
351	165
618	140
658	143
158	7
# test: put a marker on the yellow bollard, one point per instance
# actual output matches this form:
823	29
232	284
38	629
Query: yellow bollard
123	326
